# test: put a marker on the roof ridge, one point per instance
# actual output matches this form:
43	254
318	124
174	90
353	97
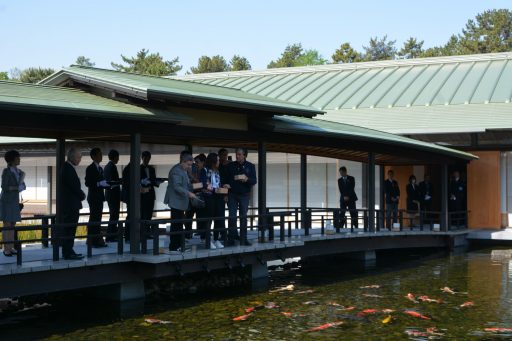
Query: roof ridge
350	66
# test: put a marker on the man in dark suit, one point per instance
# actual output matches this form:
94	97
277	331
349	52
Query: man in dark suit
148	183
392	193
95	182
71	203
348	197
125	197
426	196
112	194
457	196
241	179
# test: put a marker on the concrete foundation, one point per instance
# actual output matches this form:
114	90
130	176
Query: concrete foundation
259	274
122	292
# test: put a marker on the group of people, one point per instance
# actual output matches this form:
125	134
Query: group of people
419	197
218	182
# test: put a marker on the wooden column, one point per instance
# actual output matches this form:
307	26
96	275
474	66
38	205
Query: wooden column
371	191
444	221
262	190
134	205
304	192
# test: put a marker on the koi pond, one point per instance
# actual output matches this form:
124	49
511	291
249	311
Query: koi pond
403	296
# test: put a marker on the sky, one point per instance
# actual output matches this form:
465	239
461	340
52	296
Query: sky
53	33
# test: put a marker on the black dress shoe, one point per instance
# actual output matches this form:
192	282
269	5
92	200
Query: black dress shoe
246	243
73	257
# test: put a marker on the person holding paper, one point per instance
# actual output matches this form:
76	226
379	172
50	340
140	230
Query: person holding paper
13	183
242	177
96	184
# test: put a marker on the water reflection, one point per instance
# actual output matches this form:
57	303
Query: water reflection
332	298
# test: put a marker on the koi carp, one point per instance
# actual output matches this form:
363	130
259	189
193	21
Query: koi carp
411	298
416	333
498	330
290	287
367	312
388	319
416	314
429	300
242	317
287	313
373	286
388	311
252	309
467	304
271	305
151	320
324	326
309	291
373	295
448	290
348	308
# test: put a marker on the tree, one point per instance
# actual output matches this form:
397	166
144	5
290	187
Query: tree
491	31
82	61
206	64
238	63
294	55
148	64
310	57
34	75
4	76
346	54
380	49
412	48
288	57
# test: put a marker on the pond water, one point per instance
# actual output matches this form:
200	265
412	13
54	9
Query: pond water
327	300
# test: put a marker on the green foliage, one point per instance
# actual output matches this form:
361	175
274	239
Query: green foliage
412	48
238	63
294	55
491	31
148	64
346	54
83	61
380	49
206	64
4	76
32	74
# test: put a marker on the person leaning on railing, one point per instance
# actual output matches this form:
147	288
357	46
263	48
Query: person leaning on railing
13	182
177	197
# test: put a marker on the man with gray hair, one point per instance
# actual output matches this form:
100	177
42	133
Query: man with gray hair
71	197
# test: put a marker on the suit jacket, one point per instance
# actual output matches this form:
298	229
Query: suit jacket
111	174
125	191
247	168
413	194
426	189
152	177
391	190
458	189
178	186
71	195
93	175
347	188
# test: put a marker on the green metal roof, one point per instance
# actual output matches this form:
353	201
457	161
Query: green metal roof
339	130
444	94
145	87
23	96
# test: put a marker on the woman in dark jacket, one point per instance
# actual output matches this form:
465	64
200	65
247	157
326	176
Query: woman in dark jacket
13	182
413	198
214	201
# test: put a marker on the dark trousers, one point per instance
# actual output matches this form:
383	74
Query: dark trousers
351	207
391	212
94	225
426	208
189	214
114	205
147	205
458	217
175	242
240	203
67	233
214	208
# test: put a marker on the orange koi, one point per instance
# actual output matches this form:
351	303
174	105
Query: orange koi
411	298
388	311
467	304
433	331
498	330
334	304
416	314
290	287
252	309
325	326
348	308
242	317
367	312
287	314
